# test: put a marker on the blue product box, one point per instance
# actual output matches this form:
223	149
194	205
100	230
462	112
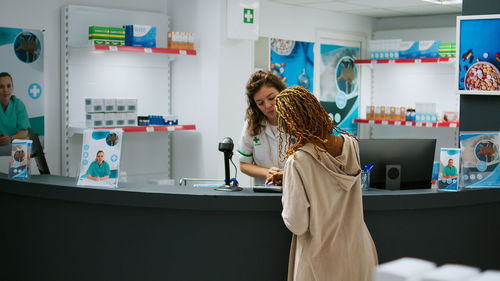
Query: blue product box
140	35
428	49
408	49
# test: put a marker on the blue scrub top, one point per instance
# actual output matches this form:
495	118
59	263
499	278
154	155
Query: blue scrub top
450	172
96	171
15	118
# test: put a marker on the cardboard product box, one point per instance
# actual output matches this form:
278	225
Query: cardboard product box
109	105
409	49
109	119
94	105
180	40
120	119
402	114
121	105
93	120
94	42
378	113
131	118
131	104
392	113
370	112
98	32
428	49
117	33
140	35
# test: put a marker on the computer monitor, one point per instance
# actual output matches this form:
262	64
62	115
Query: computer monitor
415	156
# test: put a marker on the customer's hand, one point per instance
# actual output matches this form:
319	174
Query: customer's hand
276	179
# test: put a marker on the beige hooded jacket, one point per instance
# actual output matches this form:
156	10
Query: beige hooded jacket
322	207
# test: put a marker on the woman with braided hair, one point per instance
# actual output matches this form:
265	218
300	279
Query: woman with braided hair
258	146
322	201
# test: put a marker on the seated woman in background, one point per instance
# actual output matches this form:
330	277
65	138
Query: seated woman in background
14	122
322	202
258	145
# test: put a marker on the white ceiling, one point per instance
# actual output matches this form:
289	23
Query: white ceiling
378	8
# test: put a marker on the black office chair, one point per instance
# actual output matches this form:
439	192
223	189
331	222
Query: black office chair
37	153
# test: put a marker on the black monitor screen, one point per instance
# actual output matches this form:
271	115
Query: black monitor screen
416	157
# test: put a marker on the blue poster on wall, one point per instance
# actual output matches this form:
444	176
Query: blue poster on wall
293	62
339	85
21	55
479	53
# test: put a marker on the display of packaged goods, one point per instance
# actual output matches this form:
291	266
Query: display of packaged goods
131	104
447	49
384	49
94	105
449	169
109	119
120	119
93	120
98	32
117	33
19	167
108	42
140	35
408	49
428	49
109	105
131	119
480	159
180	40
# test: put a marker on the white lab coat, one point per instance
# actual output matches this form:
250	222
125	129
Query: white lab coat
261	150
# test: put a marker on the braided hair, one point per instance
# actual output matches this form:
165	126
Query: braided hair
301	116
253	114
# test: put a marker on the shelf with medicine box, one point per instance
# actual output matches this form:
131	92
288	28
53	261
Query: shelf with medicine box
107	74
415	60
138	129
408	82
146	50
445	124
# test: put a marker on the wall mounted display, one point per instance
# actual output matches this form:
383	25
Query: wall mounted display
293	62
339	85
480	159
21	55
100	162
478	57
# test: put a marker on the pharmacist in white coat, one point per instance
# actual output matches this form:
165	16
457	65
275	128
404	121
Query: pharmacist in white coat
258	150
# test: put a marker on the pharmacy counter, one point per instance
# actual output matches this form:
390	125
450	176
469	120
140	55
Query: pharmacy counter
54	230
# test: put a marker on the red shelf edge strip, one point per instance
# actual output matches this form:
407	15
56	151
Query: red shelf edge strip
413	123
145	50
415	60
155	128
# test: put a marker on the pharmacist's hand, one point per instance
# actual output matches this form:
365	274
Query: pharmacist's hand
276	178
272	171
4	139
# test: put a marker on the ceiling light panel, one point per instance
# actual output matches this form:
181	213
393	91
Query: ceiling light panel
335	6
386	3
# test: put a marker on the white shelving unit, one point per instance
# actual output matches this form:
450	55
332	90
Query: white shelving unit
117	71
403	82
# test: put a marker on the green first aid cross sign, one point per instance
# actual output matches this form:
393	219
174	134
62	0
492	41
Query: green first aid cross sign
247	15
